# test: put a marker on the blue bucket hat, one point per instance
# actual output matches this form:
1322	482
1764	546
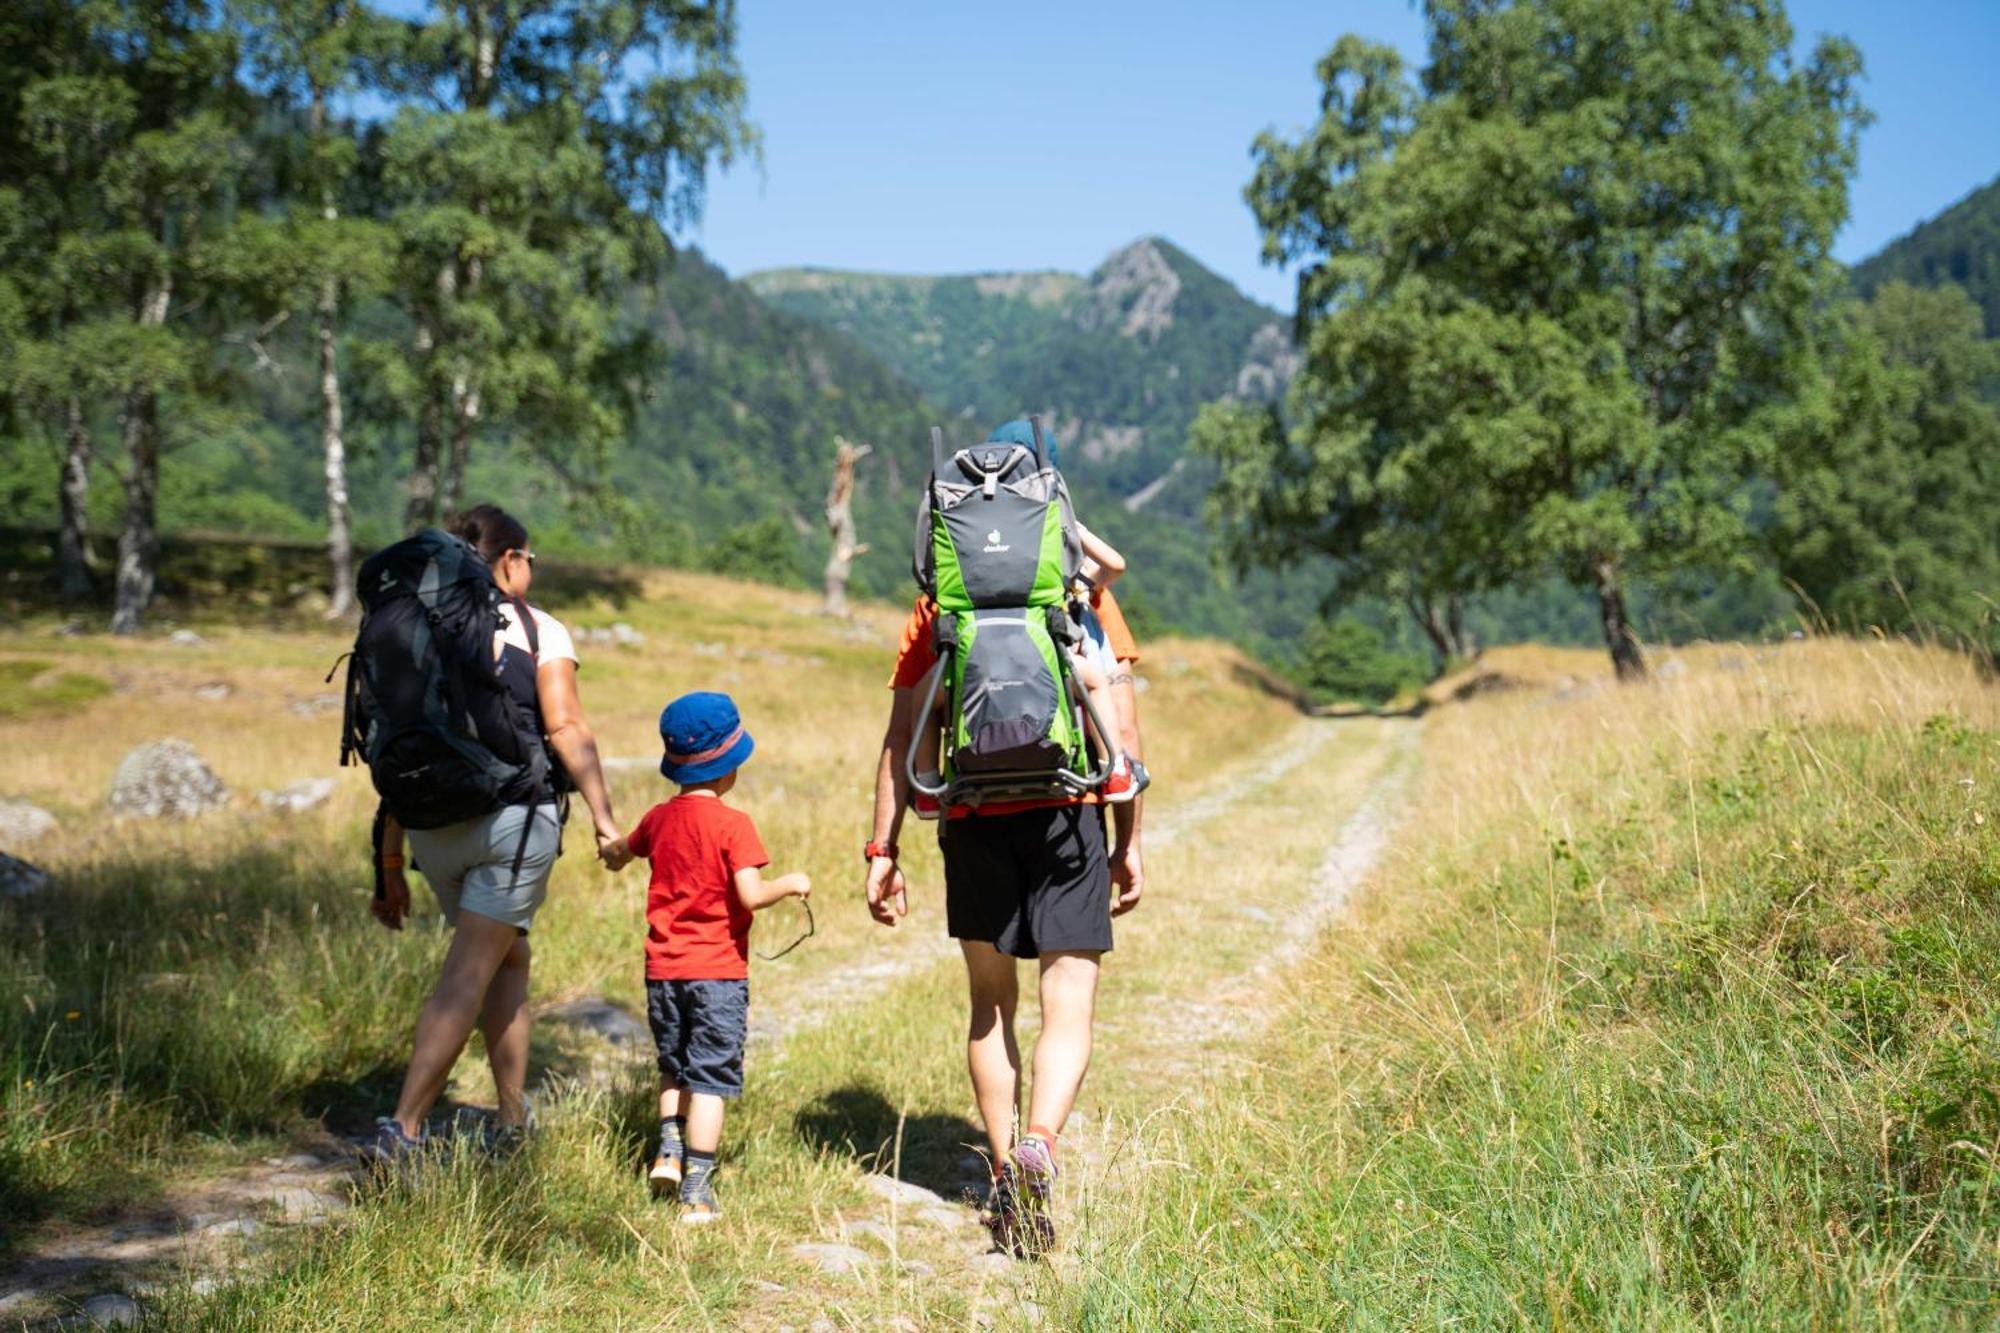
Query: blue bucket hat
1018	431
704	738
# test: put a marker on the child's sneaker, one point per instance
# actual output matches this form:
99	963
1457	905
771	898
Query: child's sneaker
698	1202
665	1177
1122	785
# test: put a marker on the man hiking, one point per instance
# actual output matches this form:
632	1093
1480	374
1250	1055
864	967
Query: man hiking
1024	879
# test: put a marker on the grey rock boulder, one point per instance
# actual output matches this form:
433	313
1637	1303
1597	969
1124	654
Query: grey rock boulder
901	1191
23	821
594	1013
166	779
299	797
831	1257
186	638
111	1310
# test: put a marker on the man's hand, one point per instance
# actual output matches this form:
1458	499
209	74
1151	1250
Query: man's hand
888	893
1128	876
394	904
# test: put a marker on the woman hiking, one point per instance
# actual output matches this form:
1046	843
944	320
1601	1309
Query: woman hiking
491	873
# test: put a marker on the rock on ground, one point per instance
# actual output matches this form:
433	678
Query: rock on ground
186	638
20	879
23	821
832	1257
300	796
596	1014
110	1310
166	779
901	1191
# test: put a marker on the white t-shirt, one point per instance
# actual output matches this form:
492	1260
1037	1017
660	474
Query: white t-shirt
557	646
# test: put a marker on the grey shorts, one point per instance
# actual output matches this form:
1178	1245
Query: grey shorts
470	865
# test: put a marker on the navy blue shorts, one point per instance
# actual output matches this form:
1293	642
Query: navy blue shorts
700	1028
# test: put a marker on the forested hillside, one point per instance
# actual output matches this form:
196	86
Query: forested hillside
1960	245
726	465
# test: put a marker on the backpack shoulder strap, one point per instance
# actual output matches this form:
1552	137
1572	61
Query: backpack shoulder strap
520	605
1041	442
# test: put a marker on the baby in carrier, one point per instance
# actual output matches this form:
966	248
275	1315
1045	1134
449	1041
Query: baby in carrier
1090	658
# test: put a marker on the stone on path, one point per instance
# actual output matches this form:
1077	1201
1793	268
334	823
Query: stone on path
596	1014
112	1309
22	879
317	703
214	692
300	796
944	1215
832	1257
901	1191
24	821
767	1287
992	1263
165	778
868	1226
186	638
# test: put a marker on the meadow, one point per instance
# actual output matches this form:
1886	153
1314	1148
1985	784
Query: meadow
1576	1004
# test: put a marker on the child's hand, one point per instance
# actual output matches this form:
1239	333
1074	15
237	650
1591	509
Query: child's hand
802	885
616	854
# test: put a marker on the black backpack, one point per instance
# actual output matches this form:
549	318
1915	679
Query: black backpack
443	739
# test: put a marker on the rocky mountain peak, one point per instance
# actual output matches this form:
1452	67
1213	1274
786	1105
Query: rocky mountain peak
1133	291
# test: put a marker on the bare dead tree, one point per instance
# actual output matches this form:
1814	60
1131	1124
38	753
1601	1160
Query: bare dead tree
840	523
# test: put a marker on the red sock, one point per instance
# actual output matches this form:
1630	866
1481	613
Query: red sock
1047	1136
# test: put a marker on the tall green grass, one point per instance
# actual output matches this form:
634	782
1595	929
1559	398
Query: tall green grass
1690	1019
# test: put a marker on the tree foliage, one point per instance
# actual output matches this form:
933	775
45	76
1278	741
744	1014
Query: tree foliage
1888	493
1555	297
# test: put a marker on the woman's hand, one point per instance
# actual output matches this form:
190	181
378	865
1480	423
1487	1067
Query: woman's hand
394	904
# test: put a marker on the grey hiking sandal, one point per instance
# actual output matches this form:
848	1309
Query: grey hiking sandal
390	1146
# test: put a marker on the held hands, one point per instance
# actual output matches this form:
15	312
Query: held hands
613	850
888	893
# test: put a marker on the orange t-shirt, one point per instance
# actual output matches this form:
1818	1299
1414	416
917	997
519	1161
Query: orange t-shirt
917	654
697	929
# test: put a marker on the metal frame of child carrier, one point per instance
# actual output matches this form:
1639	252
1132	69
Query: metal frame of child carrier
974	789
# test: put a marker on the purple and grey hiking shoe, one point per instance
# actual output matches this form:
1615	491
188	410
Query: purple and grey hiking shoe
1034	1163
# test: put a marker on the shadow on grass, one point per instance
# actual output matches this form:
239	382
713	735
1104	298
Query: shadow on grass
858	1122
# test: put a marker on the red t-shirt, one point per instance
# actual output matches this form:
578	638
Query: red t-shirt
917	654
696	928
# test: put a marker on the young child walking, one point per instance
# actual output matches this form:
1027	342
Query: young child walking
707	882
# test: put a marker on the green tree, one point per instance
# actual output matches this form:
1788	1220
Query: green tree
540	147
1345	661
1555	299
310	256
1889	485
63	112
132	113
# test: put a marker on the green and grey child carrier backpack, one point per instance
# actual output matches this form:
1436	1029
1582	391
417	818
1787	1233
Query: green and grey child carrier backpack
997	550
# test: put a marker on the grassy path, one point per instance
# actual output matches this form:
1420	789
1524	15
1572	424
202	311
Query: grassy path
1236	884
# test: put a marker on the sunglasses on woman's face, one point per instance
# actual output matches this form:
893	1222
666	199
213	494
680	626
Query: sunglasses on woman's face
528	556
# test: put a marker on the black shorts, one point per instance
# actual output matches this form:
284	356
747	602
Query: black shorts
700	1028
1030	882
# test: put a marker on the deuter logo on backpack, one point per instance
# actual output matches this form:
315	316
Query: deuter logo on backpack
994	545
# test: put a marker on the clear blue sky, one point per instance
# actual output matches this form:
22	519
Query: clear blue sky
932	137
